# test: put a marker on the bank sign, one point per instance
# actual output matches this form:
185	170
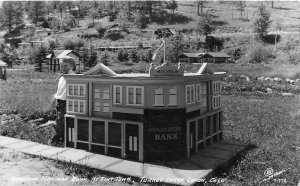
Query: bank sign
164	134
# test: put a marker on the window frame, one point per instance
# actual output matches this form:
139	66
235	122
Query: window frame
173	95
115	94
79	102
216	87
78	91
158	94
203	97
216	102
135	95
191	96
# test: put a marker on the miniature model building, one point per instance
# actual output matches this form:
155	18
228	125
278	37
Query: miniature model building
166	114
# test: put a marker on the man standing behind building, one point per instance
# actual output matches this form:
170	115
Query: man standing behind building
66	67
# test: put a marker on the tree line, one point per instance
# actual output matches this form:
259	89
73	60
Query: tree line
14	13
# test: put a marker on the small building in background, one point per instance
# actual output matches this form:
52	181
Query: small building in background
209	57
215	57
190	57
56	55
3	71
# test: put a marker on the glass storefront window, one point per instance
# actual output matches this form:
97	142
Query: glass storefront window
114	134
83	129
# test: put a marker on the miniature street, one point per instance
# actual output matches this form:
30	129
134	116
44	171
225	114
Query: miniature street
198	168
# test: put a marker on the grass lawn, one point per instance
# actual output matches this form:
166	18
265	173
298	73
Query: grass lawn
269	122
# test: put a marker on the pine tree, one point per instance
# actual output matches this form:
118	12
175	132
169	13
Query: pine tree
12	14
262	21
36	10
204	26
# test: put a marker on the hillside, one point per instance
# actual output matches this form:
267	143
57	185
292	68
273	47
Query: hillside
235	32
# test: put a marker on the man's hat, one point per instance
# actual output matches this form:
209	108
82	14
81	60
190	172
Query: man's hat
67	59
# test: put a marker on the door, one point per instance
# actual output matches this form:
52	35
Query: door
132	141
193	140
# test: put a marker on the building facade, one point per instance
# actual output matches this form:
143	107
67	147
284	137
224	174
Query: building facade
163	115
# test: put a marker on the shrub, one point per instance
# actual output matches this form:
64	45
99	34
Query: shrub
45	24
295	56
133	56
113	35
91	25
259	53
101	30
123	55
104	58
73	43
140	20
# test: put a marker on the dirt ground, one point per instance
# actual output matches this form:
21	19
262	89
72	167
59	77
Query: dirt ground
17	169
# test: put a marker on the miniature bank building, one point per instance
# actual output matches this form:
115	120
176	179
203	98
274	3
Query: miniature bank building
166	114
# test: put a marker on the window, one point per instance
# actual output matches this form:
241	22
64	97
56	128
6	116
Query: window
190	94
96	93
105	94
98	132
198	92
135	95
83	130
106	107
173	96
76	106
216	87
76	90
97	106
203	93
114	134
216	102
117	96
159	96
100	97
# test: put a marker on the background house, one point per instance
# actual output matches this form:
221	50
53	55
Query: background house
189	57
53	59
210	57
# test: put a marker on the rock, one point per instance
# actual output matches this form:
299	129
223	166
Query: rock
267	79
269	91
292	82
287	94
261	78
36	121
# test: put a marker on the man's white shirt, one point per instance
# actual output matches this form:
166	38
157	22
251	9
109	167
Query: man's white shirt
62	88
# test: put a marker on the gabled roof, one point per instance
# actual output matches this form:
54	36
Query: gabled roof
192	54
2	64
60	53
218	54
64	53
205	69
100	69
212	54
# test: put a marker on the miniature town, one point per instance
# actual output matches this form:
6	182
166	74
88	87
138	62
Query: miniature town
155	92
